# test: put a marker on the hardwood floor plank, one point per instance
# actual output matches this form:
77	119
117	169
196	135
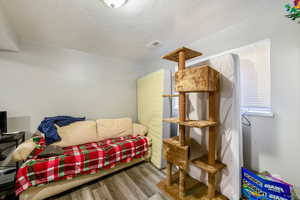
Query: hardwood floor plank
134	189
135	183
123	188
97	195
140	181
114	190
154	170
158	196
105	191
102	193
87	194
76	195
148	178
153	178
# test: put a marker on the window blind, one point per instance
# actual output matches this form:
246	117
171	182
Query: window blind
255	74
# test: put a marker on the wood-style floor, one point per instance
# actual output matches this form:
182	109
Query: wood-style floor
135	183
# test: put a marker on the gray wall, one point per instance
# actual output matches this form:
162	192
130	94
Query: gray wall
271	144
44	81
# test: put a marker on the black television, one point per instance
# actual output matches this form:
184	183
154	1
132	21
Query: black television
3	122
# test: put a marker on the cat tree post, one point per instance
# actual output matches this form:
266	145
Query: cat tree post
182	115
176	149
212	116
169	173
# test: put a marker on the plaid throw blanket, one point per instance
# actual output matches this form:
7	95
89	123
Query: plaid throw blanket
76	160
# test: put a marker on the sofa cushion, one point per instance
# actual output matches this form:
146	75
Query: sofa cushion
139	129
111	128
77	133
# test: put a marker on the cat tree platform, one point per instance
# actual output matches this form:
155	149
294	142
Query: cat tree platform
195	190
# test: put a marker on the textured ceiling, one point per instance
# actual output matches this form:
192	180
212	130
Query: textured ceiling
88	25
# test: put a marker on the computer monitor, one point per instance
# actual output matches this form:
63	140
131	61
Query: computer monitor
3	122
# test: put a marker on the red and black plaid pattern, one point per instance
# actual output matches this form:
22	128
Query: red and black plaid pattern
77	160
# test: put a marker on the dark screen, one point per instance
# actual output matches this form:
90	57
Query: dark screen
3	122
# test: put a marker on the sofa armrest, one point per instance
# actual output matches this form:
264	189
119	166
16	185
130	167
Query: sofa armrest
139	129
23	150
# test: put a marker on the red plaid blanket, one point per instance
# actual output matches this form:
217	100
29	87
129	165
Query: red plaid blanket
76	160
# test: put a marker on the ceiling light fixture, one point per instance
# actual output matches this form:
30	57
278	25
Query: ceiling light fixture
115	3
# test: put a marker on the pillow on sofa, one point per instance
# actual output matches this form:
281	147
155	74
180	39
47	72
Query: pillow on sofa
77	133
111	128
139	129
23	150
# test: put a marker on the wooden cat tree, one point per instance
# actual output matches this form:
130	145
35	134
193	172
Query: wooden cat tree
176	150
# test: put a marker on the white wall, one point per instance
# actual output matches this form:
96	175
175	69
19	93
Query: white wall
271	144
44	81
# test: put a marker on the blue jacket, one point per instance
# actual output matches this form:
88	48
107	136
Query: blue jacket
48	128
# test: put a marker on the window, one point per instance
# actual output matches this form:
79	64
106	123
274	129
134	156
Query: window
255	78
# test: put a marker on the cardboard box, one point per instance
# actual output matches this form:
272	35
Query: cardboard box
256	187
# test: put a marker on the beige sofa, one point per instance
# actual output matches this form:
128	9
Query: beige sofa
80	133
